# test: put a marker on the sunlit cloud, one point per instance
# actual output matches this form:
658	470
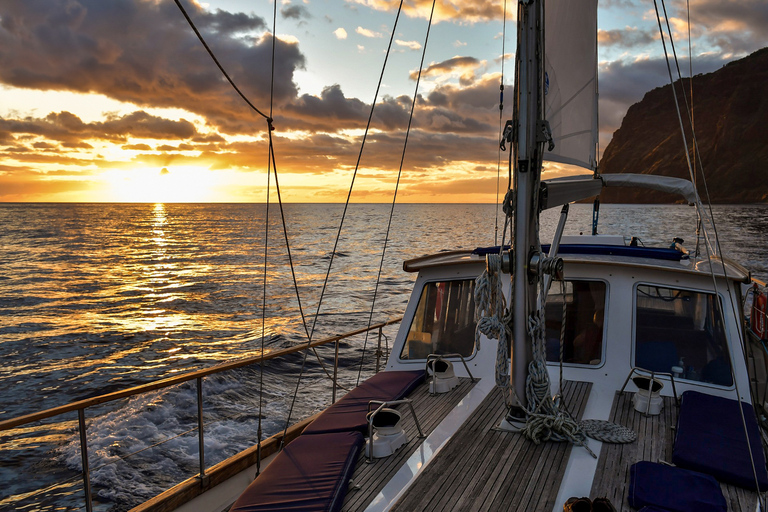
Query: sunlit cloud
340	33
411	45
367	33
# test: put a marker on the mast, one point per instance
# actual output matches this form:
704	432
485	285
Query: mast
528	145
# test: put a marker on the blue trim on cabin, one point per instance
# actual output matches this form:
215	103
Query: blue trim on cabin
655	253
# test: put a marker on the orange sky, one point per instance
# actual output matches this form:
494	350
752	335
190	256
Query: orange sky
117	101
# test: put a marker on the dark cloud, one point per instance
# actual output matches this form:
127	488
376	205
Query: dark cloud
627	38
295	12
143	52
625	83
447	66
737	27
68	128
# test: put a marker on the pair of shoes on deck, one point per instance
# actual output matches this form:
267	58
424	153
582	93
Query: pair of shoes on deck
586	505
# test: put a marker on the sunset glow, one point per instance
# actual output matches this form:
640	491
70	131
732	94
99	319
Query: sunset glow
122	103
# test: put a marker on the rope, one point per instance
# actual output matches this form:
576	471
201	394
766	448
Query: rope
397	187
607	432
493	315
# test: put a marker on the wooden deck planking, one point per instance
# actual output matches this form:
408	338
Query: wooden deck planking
482	468
369	479
655	441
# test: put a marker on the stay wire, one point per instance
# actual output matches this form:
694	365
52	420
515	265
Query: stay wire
397	186
717	241
221	68
271	158
501	117
341	222
266	245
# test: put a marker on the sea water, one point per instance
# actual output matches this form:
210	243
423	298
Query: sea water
101	297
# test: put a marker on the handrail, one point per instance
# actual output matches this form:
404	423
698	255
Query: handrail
178	379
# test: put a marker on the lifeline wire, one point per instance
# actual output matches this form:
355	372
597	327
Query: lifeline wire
397	186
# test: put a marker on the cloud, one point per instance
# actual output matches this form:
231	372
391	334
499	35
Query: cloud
296	12
340	33
628	37
411	45
143	52
736	27
367	33
68	128
465	11
462	67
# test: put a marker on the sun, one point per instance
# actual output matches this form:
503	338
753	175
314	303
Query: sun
177	184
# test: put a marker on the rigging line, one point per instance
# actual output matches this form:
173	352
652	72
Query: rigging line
709	256
397	186
221	68
501	116
266	245
691	170
341	222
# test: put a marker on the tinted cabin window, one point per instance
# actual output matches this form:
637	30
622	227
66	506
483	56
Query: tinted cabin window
584	304
681	328
444	322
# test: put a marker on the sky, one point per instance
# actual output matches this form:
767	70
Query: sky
118	101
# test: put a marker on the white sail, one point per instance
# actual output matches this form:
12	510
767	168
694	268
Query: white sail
571	80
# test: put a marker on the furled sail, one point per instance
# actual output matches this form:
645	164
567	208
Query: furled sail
570	82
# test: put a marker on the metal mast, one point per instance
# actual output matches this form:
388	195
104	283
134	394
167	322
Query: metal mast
530	134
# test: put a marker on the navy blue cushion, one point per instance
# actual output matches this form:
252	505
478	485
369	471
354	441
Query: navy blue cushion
349	413
673	489
310	474
710	438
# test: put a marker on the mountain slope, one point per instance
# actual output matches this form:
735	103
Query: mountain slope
731	120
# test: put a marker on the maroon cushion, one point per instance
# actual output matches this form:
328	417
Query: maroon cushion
310	474
349	413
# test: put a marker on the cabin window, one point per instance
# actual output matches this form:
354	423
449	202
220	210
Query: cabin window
444	322
681	332
584	305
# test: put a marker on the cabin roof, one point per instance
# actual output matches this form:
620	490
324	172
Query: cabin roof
625	256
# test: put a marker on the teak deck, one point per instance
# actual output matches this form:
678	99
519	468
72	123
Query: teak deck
369	479
655	440
483	468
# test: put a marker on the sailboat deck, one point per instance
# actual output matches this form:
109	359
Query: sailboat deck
483	468
369	479
655	440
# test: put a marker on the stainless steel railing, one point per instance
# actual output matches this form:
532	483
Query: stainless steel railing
81	405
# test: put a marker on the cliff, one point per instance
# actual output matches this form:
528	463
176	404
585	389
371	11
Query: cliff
731	122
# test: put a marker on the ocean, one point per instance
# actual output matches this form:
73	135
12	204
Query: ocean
100	297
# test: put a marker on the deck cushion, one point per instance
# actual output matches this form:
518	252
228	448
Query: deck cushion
350	411
310	474
710	438
673	489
